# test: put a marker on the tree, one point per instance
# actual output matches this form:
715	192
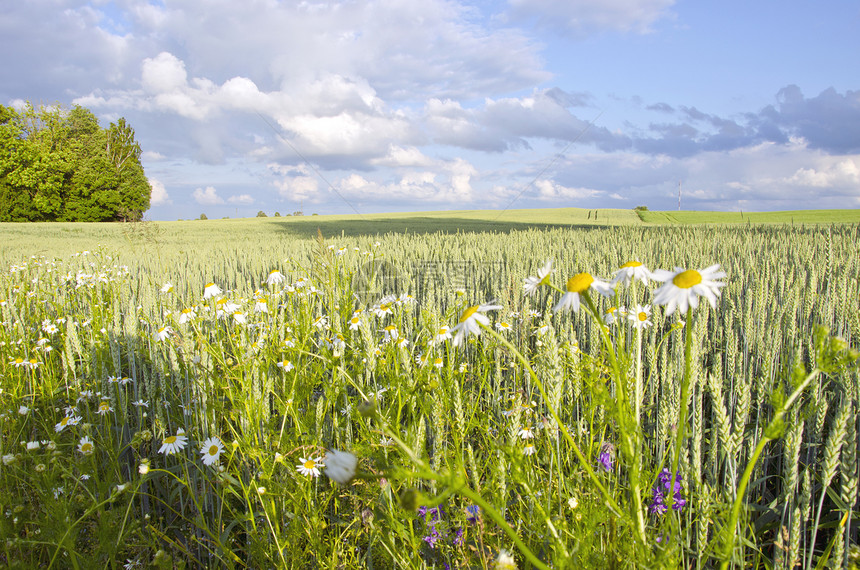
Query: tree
261	214
203	217
60	165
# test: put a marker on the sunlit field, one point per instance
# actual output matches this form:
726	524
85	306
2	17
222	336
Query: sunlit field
544	390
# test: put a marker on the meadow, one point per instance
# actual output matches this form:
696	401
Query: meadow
427	391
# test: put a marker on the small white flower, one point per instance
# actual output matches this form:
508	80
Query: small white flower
174	443
526	433
163	333
285	365
23	410
211	290
86	445
212	449
471	320
532	284
631	271
340	466
167	287
309	467
640	316
275	277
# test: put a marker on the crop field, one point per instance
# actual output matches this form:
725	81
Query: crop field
526	389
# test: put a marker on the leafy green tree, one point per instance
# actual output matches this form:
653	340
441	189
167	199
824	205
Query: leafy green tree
60	165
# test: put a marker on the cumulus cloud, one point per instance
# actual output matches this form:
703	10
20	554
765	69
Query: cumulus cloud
207	197
241	199
158	196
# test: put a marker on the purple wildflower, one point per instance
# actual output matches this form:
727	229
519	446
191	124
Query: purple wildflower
666	484
606	459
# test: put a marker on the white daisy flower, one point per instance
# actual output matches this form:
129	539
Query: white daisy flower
212	449
104	408
532	284
354	323
526	433
163	333
167	287
186	315
69	420
640	316
631	271
529	450
211	290
174	443
471	321
86	445
309	467
576	286
275	277
285	365
261	306
682	288
442	334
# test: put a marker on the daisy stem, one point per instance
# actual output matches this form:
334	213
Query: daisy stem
610	502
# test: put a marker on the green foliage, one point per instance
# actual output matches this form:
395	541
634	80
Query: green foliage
203	217
261	214
59	165
101	315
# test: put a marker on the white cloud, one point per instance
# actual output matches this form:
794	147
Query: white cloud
158	196
241	199
207	197
151	155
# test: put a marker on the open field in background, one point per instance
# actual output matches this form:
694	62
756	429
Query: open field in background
61	238
473	422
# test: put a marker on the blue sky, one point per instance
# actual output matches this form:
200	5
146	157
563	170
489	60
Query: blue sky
374	106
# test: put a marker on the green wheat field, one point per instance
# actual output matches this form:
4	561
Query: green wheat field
559	389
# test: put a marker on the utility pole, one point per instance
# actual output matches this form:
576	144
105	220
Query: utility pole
679	195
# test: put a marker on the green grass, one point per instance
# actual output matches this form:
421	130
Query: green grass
787	217
65	238
459	425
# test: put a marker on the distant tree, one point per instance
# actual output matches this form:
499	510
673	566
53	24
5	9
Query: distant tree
60	165
298	213
203	217
277	215
261	214
641	208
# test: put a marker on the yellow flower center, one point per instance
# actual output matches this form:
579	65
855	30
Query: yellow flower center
213	450
687	279
579	283
19	360
170	439
468	313
631	264
64	421
309	464
87	447
103	406
643	316
611	310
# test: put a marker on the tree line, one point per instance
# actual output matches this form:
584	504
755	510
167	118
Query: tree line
60	165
